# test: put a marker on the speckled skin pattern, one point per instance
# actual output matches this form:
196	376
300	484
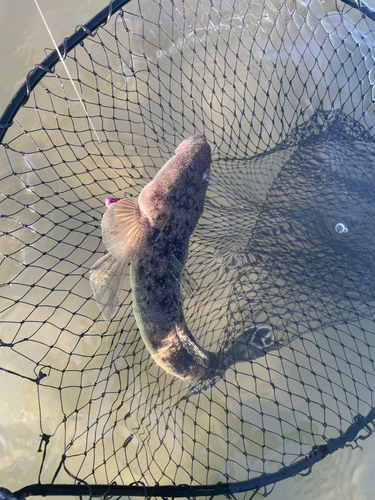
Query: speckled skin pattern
152	233
176	195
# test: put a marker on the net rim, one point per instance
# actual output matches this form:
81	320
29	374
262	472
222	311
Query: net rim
47	65
81	33
316	455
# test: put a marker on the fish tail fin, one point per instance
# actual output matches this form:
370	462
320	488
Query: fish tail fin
106	279
251	344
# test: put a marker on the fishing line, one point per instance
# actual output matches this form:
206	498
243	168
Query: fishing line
66	69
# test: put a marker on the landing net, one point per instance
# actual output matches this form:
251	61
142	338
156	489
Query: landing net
283	92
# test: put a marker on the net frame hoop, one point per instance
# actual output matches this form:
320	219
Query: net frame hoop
362	7
317	454
83	31
172	491
47	65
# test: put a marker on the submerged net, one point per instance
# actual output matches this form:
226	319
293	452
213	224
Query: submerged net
283	92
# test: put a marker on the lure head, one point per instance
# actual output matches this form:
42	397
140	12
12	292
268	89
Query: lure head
111	201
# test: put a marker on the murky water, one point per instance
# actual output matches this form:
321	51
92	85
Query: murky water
57	216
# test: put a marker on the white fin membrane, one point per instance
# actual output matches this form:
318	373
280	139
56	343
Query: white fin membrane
106	278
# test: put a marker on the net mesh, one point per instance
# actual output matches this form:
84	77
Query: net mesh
283	92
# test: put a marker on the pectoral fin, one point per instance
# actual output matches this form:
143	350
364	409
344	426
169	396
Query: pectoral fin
106	279
124	228
186	282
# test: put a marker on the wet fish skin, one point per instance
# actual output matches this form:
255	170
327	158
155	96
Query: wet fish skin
177	193
152	233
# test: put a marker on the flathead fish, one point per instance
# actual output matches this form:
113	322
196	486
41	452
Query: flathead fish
152	233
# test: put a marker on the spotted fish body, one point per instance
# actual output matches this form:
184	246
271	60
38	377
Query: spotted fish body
157	269
152	232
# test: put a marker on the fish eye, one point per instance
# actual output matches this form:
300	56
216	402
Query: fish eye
205	176
341	227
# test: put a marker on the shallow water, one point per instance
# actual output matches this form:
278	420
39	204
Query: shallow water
60	244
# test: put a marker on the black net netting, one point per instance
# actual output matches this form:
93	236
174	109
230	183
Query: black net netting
283	92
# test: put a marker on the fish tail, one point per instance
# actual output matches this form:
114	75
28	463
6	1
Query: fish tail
251	344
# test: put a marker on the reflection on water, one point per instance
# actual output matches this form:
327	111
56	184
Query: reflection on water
249	77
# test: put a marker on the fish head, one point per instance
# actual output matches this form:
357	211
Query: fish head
197	155
180	185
